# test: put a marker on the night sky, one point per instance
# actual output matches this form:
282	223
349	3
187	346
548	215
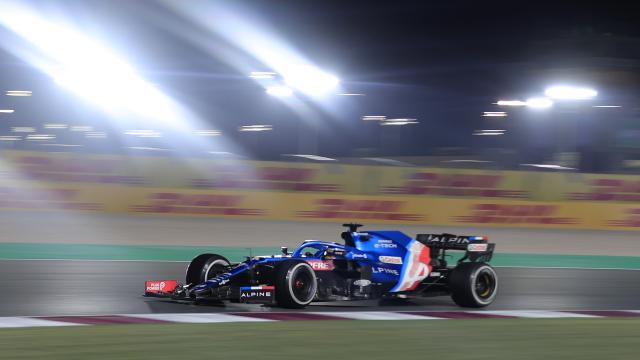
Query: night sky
443	63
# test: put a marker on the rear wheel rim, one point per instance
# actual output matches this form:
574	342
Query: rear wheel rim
485	285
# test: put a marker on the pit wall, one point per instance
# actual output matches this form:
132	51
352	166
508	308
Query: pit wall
317	192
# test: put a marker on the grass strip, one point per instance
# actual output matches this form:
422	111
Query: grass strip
420	339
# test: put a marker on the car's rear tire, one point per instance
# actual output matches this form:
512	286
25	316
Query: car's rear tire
204	267
473	284
296	284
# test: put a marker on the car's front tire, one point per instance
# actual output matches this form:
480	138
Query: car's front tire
296	284
473	284
204	267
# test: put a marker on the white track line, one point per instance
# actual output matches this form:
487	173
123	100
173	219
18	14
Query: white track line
197	318
377	315
19	322
538	314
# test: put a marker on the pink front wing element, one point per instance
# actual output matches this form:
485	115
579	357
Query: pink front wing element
159	286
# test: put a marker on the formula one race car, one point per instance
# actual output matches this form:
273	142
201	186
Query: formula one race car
370	265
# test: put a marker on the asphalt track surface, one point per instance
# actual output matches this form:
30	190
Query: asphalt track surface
61	287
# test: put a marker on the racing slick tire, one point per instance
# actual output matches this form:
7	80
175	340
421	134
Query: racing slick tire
473	284
296	284
204	267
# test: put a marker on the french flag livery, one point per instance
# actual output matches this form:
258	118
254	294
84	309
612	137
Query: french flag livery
415	268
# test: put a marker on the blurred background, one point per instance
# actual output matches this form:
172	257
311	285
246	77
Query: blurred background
133	122
135	135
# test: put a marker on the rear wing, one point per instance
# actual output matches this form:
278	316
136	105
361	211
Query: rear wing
478	248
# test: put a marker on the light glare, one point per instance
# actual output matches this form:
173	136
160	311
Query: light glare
511	103
398	122
309	79
255	128
539	103
570	93
55	126
95	135
280	91
144	133
374	118
23	129
494	114
38	137
10	138
261	75
311	157
80	128
207	132
18	93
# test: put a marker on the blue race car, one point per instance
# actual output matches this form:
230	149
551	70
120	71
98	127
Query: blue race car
369	265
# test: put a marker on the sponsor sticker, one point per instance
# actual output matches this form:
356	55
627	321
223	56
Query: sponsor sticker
160	286
362	282
391	260
321	265
445	239
477	247
385	244
382	270
257	294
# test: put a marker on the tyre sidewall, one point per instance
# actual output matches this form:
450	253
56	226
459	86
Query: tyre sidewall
285	276
201	265
474	279
463	281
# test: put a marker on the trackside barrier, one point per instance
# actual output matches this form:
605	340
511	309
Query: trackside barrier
296	206
331	179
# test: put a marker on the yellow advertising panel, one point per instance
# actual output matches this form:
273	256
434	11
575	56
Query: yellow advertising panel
292	206
328	178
